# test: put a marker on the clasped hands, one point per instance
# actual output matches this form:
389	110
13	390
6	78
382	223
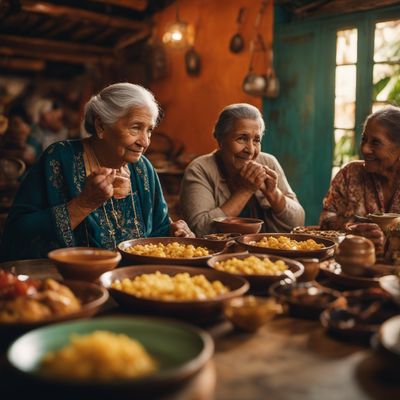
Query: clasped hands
253	176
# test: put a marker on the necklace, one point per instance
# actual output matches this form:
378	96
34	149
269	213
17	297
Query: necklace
111	230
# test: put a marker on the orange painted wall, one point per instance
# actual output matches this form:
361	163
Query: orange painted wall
192	104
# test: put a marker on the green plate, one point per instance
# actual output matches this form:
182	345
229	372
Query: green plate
179	349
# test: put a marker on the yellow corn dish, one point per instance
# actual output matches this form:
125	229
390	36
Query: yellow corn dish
252	266
182	286
101	355
170	250
285	243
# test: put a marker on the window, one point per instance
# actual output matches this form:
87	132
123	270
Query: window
385	83
345	98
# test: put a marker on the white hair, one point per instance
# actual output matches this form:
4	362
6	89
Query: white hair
235	112
114	102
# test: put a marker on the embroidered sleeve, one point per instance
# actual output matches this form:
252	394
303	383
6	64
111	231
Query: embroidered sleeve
63	226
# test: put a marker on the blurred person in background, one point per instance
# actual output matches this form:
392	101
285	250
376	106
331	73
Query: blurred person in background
47	118
16	141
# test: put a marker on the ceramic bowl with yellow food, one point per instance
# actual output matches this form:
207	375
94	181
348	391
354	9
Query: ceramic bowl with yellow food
170	250
189	293
290	245
260	270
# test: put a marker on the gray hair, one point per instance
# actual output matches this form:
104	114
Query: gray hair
114	102
389	119
235	112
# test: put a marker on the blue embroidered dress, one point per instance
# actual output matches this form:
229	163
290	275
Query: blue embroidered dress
39	220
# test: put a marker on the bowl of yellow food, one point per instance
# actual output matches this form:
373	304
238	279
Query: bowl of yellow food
189	293
260	270
170	250
249	313
110	357
290	245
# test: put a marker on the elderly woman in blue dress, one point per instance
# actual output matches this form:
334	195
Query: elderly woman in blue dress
96	191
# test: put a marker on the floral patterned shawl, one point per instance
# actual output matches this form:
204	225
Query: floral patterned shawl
354	191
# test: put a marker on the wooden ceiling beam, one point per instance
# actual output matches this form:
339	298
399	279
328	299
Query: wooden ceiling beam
22	64
52	45
45	54
56	10
129	40
138	5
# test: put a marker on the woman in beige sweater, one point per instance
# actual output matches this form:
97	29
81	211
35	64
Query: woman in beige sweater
237	179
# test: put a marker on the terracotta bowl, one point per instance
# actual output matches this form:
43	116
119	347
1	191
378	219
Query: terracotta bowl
311	269
214	246
222	236
323	253
259	284
198	311
84	263
384	220
91	297
305	299
249	313
238	224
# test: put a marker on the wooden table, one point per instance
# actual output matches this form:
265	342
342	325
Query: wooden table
287	359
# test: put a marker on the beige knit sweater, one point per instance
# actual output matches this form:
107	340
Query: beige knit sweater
204	191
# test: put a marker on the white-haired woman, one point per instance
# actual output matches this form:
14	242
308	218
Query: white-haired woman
238	179
95	191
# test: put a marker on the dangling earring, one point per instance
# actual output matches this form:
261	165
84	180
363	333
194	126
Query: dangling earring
100	135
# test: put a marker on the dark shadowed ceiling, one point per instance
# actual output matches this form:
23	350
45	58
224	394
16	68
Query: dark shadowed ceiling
35	35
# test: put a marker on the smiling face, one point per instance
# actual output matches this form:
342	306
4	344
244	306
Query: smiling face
242	144
380	153
129	137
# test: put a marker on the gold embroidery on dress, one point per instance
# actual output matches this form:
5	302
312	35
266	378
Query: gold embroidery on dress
62	221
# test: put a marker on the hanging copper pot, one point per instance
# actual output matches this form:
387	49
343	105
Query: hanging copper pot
192	62
236	44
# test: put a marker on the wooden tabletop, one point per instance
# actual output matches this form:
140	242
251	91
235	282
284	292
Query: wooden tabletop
287	359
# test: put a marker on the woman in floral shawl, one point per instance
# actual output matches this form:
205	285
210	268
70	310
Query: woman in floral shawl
369	186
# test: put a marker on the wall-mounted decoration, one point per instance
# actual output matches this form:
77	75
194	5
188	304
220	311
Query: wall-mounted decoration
236	44
179	35
263	83
192	62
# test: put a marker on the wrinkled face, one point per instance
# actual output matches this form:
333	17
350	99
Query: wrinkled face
381	155
130	136
53	120
242	144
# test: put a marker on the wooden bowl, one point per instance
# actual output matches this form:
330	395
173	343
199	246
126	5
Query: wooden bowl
84	263
238	224
195	310
91	297
384	220
259	284
303	300
215	247
325	252
249	313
